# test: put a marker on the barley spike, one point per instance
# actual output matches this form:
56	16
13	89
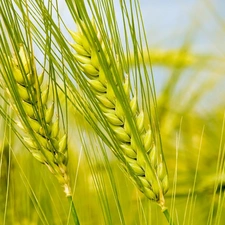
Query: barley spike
144	163
42	132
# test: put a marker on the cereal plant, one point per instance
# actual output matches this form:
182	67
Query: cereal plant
87	138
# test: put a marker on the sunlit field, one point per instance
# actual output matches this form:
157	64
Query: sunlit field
112	112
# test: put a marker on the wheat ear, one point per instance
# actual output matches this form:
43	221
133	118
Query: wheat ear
146	167
36	119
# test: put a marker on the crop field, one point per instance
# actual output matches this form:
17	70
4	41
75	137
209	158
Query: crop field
112	112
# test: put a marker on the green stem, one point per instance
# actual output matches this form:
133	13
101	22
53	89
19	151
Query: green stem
167	215
73	210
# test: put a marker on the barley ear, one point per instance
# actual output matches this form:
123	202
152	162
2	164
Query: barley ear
37	119
141	159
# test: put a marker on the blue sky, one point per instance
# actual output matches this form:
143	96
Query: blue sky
167	23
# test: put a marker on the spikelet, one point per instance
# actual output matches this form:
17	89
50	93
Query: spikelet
37	120
144	163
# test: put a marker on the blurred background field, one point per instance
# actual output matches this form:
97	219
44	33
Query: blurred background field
187	50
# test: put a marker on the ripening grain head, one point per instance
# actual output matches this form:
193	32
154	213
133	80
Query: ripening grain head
142	161
36	117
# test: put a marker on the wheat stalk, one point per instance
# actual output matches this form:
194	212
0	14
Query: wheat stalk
143	162
36	117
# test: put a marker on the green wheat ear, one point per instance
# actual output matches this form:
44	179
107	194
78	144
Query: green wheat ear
42	137
144	163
